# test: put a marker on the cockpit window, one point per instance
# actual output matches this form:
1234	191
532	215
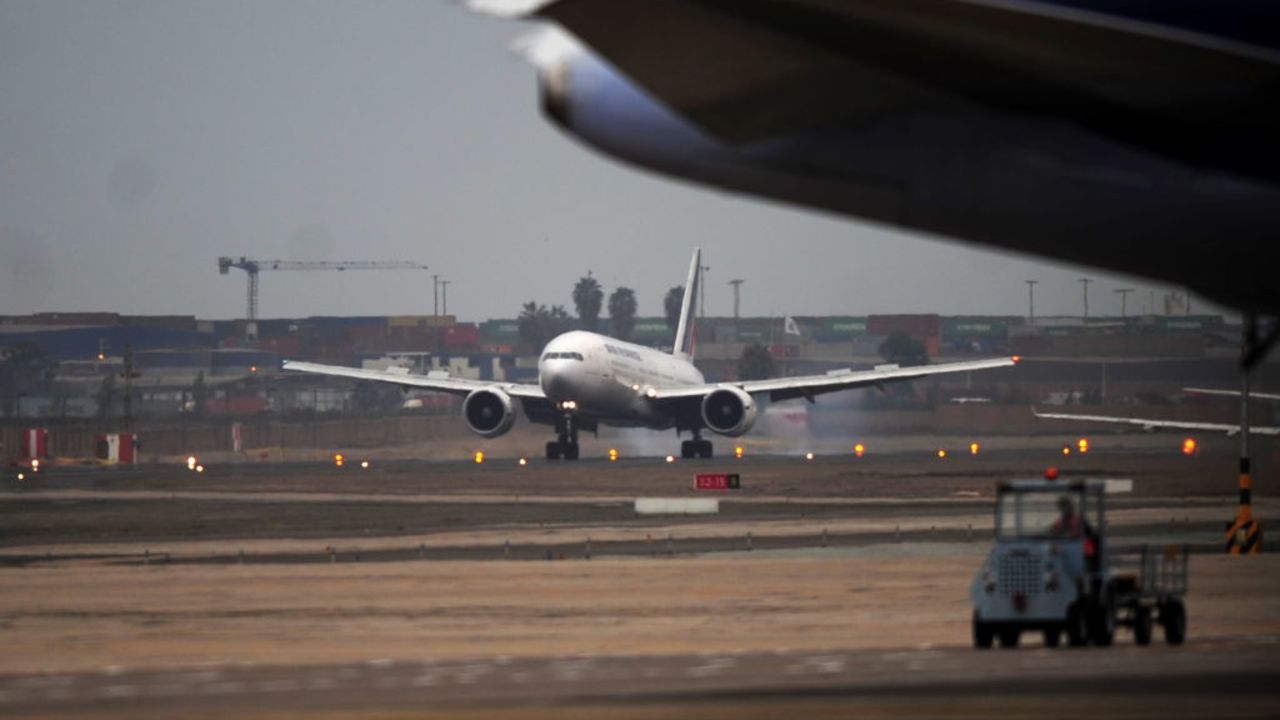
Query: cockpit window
563	356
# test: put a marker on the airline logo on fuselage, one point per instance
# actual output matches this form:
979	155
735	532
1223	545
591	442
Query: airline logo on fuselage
624	352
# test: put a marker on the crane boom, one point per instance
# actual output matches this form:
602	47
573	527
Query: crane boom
252	267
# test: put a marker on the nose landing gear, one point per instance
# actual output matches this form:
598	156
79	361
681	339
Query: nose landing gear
566	445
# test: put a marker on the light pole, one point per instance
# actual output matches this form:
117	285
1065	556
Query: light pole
444	296
435	295
1124	297
1084	283
1031	301
702	291
737	287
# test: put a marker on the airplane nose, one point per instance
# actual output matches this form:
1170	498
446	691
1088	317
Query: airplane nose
557	381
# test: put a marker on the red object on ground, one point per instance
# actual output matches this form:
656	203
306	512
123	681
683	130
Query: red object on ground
1051	473
35	443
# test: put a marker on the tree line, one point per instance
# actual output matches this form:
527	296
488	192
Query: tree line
539	324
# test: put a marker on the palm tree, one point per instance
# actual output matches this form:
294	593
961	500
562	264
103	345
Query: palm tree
622	312
671	305
587	298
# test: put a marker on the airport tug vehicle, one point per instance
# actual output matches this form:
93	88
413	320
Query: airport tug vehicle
1050	571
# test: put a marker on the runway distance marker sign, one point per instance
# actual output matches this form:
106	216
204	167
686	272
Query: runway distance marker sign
716	481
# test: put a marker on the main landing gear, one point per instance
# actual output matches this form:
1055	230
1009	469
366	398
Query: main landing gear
566	446
696	448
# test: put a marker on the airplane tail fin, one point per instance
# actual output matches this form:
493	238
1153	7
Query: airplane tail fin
686	331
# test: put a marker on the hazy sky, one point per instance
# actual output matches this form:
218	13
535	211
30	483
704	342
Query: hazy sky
141	140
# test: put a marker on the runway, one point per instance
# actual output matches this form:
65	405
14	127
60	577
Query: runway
1191	681
821	589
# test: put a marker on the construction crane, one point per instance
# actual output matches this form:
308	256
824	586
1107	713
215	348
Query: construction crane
253	267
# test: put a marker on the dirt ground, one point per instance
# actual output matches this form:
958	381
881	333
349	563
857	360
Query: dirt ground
67	619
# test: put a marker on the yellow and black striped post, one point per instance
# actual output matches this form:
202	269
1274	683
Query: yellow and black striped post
1244	534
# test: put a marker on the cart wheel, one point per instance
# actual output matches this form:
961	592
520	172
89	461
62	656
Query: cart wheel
1052	636
1102	622
983	633
1077	627
1142	626
1009	637
1173	617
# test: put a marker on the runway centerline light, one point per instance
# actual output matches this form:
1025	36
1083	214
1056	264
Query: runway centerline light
524	461
671	458
21	477
199	468
479	457
364	464
808	456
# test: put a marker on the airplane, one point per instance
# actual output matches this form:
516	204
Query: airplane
1149	424
1137	137
586	380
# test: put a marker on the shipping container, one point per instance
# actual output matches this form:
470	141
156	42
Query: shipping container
832	329
919	326
500	332
462	336
955	328
650	329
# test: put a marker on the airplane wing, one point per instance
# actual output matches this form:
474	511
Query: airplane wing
1149	424
807	386
1232	393
452	386
744	71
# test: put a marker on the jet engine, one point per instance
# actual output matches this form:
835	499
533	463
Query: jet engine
729	411
489	412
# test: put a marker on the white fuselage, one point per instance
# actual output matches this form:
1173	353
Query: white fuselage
610	380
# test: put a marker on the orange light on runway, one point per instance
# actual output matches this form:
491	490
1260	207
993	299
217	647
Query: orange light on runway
339	460
1083	445
859	449
613	454
1189	447
737	451
974	448
1066	449
479	457
942	454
